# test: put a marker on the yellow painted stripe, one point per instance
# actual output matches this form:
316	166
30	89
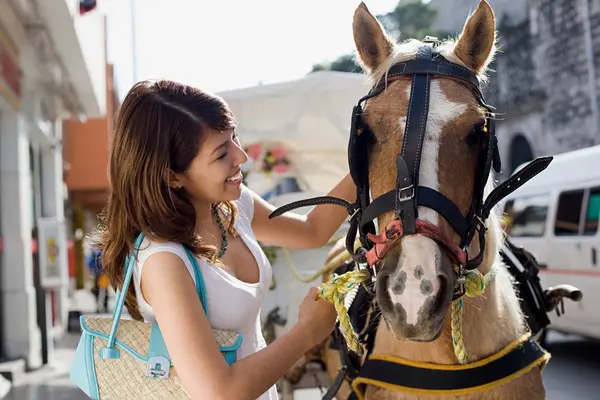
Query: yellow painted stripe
359	384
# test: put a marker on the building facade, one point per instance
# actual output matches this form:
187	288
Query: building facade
544	82
52	68
86	153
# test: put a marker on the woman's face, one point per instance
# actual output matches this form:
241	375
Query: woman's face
215	174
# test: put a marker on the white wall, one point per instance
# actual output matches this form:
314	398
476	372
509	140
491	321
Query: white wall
91	32
20	333
80	44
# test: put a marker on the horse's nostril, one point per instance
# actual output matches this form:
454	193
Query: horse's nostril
428	288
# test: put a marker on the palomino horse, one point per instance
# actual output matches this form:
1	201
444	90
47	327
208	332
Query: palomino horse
416	280
418	324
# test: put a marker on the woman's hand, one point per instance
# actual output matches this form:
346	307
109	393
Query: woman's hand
169	289
316	317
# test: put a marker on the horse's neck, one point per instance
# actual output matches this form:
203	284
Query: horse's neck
489	323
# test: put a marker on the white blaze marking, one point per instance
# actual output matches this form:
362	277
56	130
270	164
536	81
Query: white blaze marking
419	250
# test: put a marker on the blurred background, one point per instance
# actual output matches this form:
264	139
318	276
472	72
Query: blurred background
287	70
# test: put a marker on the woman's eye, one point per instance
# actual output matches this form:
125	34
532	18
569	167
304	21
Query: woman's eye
222	157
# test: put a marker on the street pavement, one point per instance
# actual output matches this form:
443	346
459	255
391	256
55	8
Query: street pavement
573	373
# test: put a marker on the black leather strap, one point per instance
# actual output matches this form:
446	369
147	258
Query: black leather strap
358	156
334	387
405	207
350	207
482	173
514	182
426	197
412	143
437	66
408	162
523	266
464	377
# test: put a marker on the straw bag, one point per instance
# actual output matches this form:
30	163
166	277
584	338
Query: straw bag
125	359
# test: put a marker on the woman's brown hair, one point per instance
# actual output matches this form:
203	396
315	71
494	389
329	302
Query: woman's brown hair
159	128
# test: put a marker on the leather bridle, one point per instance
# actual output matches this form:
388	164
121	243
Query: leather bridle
408	195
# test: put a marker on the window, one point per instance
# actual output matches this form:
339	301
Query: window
526	216
568	213
592	213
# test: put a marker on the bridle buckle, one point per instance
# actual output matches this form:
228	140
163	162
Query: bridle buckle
405	197
430	40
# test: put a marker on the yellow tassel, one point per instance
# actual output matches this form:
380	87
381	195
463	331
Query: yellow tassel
474	283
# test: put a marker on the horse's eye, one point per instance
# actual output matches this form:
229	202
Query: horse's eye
473	137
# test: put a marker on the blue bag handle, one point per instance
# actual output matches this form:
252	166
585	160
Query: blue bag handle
110	351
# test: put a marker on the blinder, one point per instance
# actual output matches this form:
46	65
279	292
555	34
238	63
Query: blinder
408	195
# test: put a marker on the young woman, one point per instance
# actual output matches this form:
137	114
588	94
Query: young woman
175	177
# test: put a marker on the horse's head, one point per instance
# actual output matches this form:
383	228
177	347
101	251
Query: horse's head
415	281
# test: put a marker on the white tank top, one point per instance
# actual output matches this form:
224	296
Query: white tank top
232	304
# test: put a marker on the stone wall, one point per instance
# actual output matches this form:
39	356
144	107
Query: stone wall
452	14
540	82
514	86
562	63
542	75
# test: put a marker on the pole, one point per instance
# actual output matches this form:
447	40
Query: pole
133	43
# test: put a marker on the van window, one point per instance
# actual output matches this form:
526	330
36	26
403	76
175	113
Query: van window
526	216
568	213
593	212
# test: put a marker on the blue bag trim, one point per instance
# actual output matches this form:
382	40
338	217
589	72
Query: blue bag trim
82	370
104	336
234	346
157	345
94	393
156	340
140	357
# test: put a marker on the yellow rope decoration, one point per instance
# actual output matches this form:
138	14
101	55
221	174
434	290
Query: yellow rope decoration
335	291
331	265
335	262
475	285
337	288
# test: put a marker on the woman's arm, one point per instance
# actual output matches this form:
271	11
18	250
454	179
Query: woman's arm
303	231
168	287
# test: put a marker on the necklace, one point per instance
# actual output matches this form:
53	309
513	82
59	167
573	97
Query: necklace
223	232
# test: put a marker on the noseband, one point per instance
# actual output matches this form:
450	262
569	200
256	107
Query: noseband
408	195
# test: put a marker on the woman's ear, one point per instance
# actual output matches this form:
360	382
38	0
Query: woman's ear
173	180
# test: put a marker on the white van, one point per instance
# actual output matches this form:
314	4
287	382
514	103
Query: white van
555	217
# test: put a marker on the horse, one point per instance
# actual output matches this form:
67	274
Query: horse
415	281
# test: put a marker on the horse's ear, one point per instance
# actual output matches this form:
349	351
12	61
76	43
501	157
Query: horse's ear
477	43
372	43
